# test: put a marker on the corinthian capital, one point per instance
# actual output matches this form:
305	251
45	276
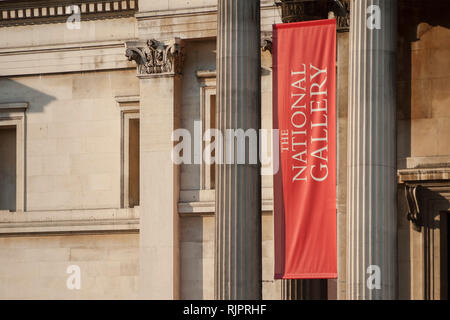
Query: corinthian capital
156	57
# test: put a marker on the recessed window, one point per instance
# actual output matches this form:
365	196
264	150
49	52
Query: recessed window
133	161
12	153
207	81
8	168
212	124
130	153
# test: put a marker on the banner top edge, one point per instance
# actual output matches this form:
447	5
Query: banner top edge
305	23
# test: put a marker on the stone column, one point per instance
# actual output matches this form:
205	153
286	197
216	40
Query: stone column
159	67
238	186
372	187
307	289
290	290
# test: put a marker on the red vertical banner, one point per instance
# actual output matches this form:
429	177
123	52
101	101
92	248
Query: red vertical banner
304	111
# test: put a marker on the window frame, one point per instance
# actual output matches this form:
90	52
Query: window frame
14	114
129	109
207	81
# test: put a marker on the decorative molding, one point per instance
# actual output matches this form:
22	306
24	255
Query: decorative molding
423	174
302	10
69	221
412	199
13	13
418	184
157	57
266	44
305	10
343	20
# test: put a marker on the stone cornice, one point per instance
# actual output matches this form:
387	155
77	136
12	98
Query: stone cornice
70	221
14	106
65	47
70	57
192	23
206	74
423	174
204	10
20	12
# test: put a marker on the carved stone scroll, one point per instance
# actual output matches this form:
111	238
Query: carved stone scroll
157	57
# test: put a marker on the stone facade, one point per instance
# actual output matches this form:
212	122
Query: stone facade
34	267
70	98
423	151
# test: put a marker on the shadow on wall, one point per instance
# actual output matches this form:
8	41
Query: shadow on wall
415	70
422	237
201	57
13	91
192	259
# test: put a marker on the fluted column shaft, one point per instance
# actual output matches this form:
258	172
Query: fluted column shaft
238	186
371	194
306	289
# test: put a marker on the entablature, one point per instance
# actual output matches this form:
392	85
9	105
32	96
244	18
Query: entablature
13	13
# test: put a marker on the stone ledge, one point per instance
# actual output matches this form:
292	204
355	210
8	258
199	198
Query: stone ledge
73	57
423	174
202	202
202	208
74	46
69	221
423	162
127	99
14	106
201	74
